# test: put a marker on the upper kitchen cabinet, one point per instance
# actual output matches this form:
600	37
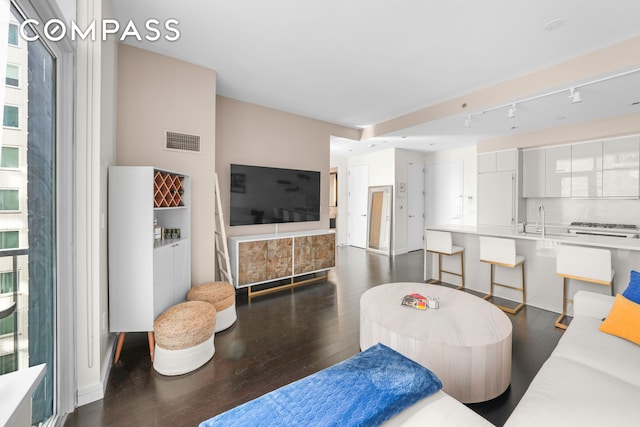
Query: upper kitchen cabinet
547	172
586	169
533	173
498	161
621	167
608	168
558	171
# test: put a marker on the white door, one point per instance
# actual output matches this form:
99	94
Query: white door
444	193
358	194
415	206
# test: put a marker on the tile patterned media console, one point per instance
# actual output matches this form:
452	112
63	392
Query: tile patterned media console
260	259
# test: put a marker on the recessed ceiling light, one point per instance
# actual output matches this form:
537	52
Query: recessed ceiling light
372	145
635	103
561	117
514	127
553	24
432	144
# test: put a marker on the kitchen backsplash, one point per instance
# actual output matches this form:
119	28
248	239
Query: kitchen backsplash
565	211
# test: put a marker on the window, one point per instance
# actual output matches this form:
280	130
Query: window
6	282
9	239
11	114
13	35
9	200
10	157
13	75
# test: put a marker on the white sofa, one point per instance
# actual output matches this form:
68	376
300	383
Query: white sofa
590	379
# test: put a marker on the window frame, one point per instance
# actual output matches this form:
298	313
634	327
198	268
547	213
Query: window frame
17	67
64	345
13	25
2	234
3	156
4	116
17	194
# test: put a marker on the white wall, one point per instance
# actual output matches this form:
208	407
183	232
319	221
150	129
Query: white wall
381	166
95	124
389	167
470	171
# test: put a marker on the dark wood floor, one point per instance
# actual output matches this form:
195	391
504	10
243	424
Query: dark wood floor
282	337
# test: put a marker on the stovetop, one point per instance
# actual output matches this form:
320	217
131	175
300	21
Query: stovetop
607	226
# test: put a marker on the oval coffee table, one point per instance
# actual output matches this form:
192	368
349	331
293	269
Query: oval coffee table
466	342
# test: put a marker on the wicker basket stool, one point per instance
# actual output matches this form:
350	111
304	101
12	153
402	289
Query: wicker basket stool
184	337
223	297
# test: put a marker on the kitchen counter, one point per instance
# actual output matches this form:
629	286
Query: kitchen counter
555	233
544	287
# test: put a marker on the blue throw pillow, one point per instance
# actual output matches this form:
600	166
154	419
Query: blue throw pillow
633	290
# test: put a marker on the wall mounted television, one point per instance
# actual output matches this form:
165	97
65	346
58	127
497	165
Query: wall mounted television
266	195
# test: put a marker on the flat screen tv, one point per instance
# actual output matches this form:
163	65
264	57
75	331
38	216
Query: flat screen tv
265	195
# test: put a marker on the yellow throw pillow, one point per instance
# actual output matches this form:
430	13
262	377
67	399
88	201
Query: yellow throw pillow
623	320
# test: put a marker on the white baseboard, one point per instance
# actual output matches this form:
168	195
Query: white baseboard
96	392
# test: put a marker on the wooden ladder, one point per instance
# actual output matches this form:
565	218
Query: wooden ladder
222	250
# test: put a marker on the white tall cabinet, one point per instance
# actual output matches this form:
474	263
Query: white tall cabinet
146	277
499	188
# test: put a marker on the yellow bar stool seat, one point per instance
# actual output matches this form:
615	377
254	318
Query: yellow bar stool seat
499	252
441	243
592	265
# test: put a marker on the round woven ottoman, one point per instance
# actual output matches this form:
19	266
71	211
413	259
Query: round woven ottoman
223	297
184	337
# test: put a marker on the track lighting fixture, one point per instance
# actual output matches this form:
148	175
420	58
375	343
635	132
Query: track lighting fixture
574	96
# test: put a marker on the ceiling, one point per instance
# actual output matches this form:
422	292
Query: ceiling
362	62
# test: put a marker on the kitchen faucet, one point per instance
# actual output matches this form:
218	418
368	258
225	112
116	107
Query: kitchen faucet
544	225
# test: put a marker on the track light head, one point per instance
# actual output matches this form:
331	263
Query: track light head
574	96
512	111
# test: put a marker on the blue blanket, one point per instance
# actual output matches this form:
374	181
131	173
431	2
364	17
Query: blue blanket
367	389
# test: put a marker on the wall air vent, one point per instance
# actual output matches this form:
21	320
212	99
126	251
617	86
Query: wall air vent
176	141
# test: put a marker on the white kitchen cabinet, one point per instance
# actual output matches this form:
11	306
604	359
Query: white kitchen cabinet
487	162
586	169
498	161
558	171
533	173
621	167
146	277
506	160
496	198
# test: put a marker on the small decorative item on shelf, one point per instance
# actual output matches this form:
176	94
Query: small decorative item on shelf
415	300
171	233
157	231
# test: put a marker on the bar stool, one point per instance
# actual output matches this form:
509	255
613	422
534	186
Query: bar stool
582	263
440	243
502	252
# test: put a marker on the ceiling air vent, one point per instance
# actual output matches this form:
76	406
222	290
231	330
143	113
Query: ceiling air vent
182	142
